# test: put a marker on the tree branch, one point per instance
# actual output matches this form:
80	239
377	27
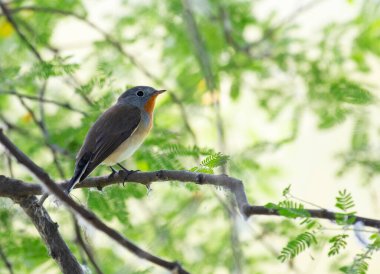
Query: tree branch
7	263
13	187
44	100
45	135
119	47
87	215
83	245
205	65
48	230
227	28
8	14
10	19
13	127
245	47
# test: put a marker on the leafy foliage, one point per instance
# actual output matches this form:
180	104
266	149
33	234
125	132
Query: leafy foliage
359	266
55	67
210	162
349	92
338	243
360	263
345	202
265	75
297	245
290	209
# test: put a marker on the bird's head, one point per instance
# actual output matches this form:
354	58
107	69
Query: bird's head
142	97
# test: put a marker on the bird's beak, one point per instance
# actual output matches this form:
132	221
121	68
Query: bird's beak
160	91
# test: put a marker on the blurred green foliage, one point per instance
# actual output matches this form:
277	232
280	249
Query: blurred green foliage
186	223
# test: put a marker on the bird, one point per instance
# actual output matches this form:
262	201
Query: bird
117	133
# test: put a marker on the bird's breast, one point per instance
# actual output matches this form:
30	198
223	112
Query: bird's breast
130	145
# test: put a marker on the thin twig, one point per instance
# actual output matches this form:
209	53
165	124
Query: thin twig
41	106
48	101
87	215
204	61
119	47
305	202
9	164
46	137
300	10
83	245
237	252
41	125
74	82
7	263
45	130
8	13
11	20
12	126
227	28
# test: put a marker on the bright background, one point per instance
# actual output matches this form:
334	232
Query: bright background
290	86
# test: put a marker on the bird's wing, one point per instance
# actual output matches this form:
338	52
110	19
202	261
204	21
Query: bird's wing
105	136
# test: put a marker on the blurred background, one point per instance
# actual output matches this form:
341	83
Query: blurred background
288	90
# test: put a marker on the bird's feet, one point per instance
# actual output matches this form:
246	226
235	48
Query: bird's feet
127	172
112	172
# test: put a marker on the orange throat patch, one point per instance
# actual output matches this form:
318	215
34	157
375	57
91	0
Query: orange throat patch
149	106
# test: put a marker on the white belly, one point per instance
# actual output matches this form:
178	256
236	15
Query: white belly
128	147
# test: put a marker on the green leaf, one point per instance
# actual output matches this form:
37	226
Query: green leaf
332	116
286	191
350	92
111	202
359	265
235	88
215	160
375	238
338	243
296	246
360	136
310	223
54	67
344	200
202	170
271	206
289	209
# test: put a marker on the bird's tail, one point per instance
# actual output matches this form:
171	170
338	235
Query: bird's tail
74	180
80	169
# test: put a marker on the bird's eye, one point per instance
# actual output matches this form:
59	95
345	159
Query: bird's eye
140	93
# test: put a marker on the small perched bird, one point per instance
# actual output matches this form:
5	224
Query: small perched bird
117	133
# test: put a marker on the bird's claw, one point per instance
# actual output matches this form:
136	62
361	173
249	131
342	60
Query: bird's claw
112	172
127	173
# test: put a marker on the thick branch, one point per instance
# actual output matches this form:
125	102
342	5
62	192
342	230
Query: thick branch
12	187
48	230
87	215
